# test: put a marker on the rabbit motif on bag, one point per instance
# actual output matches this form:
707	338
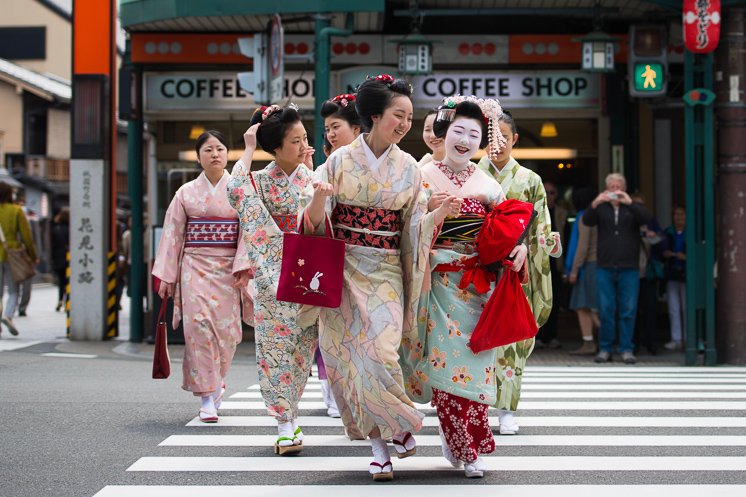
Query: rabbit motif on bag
314	285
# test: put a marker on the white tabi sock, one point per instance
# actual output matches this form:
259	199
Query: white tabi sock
208	403
285	430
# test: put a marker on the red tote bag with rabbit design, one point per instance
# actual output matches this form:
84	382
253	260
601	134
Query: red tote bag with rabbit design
312	269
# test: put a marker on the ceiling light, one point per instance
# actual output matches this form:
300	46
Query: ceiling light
548	130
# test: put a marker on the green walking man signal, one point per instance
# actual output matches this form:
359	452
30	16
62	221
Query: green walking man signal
649	77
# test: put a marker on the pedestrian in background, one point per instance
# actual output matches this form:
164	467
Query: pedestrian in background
520	183
674	253
435	144
618	273
651	277
267	202
547	336
60	248
17	234
26	286
202	264
581	273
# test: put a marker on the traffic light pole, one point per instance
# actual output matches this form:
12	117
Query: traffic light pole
700	209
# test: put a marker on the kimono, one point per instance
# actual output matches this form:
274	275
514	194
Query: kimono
379	207
462	383
199	251
523	184
267	207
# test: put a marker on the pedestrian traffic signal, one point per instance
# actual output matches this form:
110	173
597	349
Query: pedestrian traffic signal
648	61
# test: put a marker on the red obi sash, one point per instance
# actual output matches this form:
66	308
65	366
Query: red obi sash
219	232
288	224
367	227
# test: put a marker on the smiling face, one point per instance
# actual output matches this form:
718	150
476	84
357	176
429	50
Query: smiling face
435	145
395	122
339	132
213	155
293	146
462	140
511	138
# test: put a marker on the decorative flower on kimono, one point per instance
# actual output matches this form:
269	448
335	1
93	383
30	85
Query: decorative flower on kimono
300	361
274	192
238	194
260	237
414	386
461	376
286	378
463	295
489	375
430	325
509	374
258	318
421	375
264	366
453	328
438	358
276	410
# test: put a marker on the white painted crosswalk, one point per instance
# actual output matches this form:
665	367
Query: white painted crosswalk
585	432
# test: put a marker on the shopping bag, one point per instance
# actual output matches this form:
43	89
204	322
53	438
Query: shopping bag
312	269
161	359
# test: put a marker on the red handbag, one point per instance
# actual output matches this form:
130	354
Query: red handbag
312	269
161	359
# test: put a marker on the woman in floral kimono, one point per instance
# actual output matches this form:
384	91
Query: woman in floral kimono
522	184
462	383
202	263
372	193
341	126
267	205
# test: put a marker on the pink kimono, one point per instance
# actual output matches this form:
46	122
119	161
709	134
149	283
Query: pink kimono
200	250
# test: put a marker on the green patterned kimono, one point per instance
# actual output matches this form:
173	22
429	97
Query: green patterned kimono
523	184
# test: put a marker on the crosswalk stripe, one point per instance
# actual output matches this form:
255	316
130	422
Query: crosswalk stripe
551	406
566	395
492	463
434	441
422	490
533	421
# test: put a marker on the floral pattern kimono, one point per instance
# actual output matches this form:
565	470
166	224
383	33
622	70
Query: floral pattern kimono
284	351
203	276
523	184
383	274
462	383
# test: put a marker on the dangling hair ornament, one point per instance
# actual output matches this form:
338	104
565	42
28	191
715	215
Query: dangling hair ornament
386	78
293	106
344	99
491	113
268	111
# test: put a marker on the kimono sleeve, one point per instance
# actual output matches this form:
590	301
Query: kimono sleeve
546	239
168	258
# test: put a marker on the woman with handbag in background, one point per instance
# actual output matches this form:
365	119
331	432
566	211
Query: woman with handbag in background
202	264
372	193
17	253
267	202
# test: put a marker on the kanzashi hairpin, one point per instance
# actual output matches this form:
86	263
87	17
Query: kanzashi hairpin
386	78
344	99
268	111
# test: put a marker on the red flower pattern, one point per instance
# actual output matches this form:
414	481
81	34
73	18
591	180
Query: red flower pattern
372	219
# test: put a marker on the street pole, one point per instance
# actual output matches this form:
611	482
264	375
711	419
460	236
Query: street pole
731	185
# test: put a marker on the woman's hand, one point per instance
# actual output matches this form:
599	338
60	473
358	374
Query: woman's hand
165	290
241	278
450	207
321	190
573	278
308	157
249	137
436	200
518	255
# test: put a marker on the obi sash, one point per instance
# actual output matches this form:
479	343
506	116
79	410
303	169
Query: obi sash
220	232
460	229
288	224
367	227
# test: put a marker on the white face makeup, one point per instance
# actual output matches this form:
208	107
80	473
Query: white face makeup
462	141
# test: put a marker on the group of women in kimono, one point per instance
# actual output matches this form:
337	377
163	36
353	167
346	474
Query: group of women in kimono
402	330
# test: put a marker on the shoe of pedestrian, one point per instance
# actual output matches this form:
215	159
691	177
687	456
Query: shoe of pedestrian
22	314
629	357
381	472
602	356
588	348
674	345
508	424
9	324
554	344
59	306
208	415
475	469
298	436
404	445
286	446
456	463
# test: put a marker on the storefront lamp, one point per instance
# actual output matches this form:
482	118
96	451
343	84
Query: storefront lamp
548	130
598	52
196	131
415	55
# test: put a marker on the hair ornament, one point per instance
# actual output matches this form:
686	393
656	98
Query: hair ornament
344	99
294	106
268	111
386	78
491	112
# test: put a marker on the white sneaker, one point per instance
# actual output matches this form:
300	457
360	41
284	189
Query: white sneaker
456	463
333	412
673	345
508	425
475	469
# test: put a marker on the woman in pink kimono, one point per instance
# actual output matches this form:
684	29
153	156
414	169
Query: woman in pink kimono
372	193
267	202
202	263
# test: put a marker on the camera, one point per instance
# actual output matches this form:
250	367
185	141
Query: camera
612	196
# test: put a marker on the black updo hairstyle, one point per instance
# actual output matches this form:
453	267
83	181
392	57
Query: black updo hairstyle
464	109
201	139
273	129
346	112
507	118
582	197
375	95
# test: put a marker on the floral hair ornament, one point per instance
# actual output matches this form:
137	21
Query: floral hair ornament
344	99
268	111
491	113
386	78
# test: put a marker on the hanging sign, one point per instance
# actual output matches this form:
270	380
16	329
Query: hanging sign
701	25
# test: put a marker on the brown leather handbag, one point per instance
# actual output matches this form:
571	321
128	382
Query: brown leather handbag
21	265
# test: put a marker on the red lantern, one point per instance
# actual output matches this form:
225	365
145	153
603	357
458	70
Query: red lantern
701	25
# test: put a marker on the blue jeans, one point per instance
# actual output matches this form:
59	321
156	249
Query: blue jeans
617	294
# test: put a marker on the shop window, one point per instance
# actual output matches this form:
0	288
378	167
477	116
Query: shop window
23	43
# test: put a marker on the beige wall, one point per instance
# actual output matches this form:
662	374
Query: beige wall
30	13
11	123
58	134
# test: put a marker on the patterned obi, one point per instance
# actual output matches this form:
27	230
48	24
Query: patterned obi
288	224
221	232
367	227
463	229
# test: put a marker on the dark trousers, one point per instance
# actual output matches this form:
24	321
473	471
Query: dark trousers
647	315
59	273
